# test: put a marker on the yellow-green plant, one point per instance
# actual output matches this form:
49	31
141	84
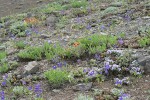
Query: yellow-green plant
57	77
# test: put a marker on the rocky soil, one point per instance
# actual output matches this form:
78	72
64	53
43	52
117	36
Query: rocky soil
64	23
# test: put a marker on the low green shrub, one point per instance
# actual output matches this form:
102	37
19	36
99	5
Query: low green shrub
32	53
4	67
143	42
83	97
57	77
79	3
20	44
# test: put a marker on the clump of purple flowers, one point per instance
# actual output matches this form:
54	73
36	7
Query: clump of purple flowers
115	67
2	95
124	97
106	67
119	82
38	90
120	41
136	71
92	73
4	83
59	65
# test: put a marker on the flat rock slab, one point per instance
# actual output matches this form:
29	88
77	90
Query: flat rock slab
82	87
31	68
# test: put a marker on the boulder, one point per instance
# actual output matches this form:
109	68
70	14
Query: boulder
31	68
144	62
82	87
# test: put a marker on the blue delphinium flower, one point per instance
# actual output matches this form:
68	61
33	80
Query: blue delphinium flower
97	56
30	88
23	82
3	83
27	32
79	61
38	90
5	76
106	67
4	80
124	97
91	73
2	95
115	67
120	41
126	80
49	41
88	26
136	71
54	67
118	82
59	64
102	27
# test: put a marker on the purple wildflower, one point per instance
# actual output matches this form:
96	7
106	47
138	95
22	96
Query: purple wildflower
116	67
59	64
49	41
84	70
54	67
30	88
79	61
2	95
126	80
23	82
118	82
5	76
102	27
106	67
124	97
97	56
120	41
27	32
88	27
91	73
3	83
64	63
38	90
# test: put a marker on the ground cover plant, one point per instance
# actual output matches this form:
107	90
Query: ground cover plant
76	50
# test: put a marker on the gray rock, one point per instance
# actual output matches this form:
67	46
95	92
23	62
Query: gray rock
56	90
82	87
144	62
45	36
31	68
50	21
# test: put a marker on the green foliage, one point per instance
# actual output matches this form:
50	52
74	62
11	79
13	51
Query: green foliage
52	50
32	53
38	52
13	64
20	90
20	44
2	55
18	26
4	67
83	97
79	12
91	45
63	21
57	77
117	92
110	10
144	41
51	7
79	3
125	59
